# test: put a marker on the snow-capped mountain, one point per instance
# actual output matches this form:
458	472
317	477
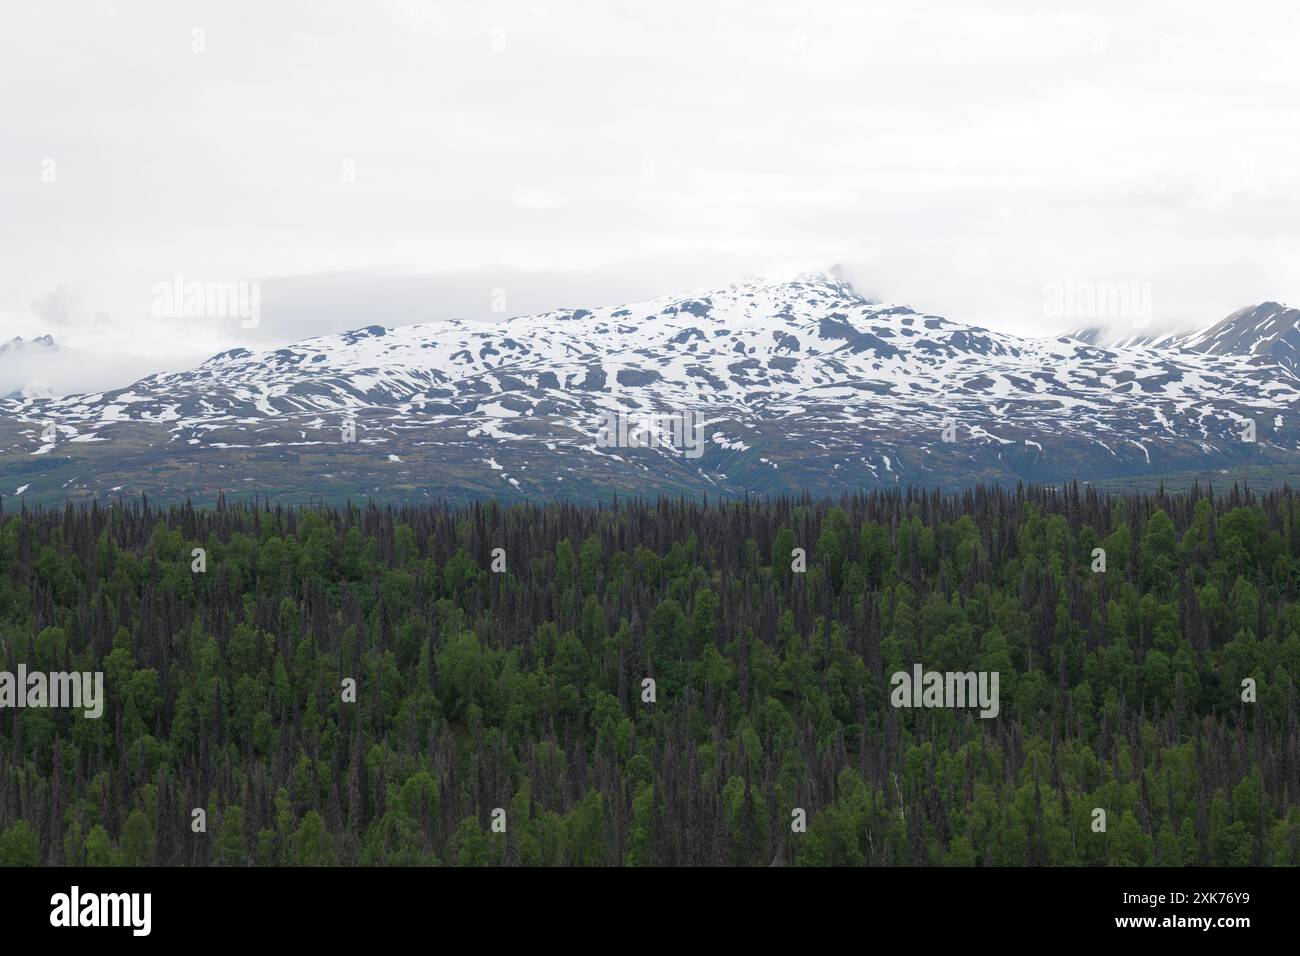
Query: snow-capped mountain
1268	329
19	344
22	362
800	384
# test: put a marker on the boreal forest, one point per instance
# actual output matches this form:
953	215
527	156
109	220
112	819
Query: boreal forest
658	683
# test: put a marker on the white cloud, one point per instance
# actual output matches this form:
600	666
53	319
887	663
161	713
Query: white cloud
956	157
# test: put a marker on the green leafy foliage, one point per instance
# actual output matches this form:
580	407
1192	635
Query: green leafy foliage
507	718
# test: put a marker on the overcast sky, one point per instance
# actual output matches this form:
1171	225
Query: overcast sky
400	160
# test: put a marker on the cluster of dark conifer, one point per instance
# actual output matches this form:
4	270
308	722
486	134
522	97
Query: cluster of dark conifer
658	682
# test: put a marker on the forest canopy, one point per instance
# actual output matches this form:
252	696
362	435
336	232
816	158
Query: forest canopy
658	683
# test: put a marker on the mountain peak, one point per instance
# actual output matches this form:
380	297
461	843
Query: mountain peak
19	343
1269	329
783	287
801	380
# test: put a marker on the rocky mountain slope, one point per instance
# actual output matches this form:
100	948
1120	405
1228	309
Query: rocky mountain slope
1269	330
792	385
